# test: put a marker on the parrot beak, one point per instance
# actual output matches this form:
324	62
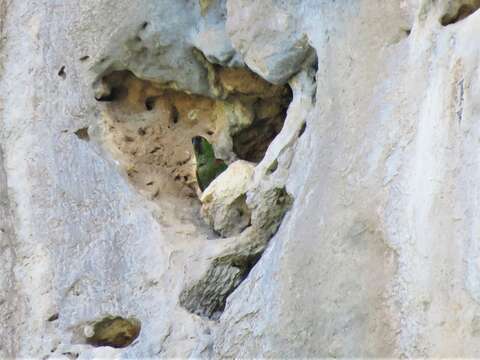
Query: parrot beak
197	144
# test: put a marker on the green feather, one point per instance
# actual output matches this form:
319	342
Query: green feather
208	167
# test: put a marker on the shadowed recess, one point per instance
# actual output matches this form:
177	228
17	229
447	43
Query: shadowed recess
465	9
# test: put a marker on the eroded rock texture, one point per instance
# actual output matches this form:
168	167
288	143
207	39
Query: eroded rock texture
352	234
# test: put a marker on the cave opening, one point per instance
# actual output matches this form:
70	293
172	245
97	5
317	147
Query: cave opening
150	125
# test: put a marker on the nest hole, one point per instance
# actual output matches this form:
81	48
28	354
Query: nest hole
82	134
62	73
151	125
150	103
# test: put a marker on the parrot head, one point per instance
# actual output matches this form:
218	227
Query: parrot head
198	144
202	148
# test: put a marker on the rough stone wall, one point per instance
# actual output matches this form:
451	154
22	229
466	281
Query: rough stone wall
366	201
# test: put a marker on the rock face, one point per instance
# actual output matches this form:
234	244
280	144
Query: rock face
224	204
358	235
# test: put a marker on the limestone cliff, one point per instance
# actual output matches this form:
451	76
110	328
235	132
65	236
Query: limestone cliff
345	226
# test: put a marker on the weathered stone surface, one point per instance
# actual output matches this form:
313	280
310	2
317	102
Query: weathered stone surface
224	204
112	331
269	37
375	174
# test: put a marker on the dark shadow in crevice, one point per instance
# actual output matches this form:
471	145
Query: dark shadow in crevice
150	103
273	167
62	73
463	12
54	317
116	93
251	143
302	129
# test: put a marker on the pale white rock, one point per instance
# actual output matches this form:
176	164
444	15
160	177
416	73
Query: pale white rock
88	331
379	253
267	35
224	200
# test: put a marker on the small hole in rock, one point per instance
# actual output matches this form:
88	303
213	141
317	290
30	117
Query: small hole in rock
141	131
209	132
315	65
82	134
150	103
84	58
302	129
62	73
114	331
174	114
53	317
144	25
71	355
272	167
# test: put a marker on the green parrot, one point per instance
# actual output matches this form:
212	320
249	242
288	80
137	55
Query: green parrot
208	167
